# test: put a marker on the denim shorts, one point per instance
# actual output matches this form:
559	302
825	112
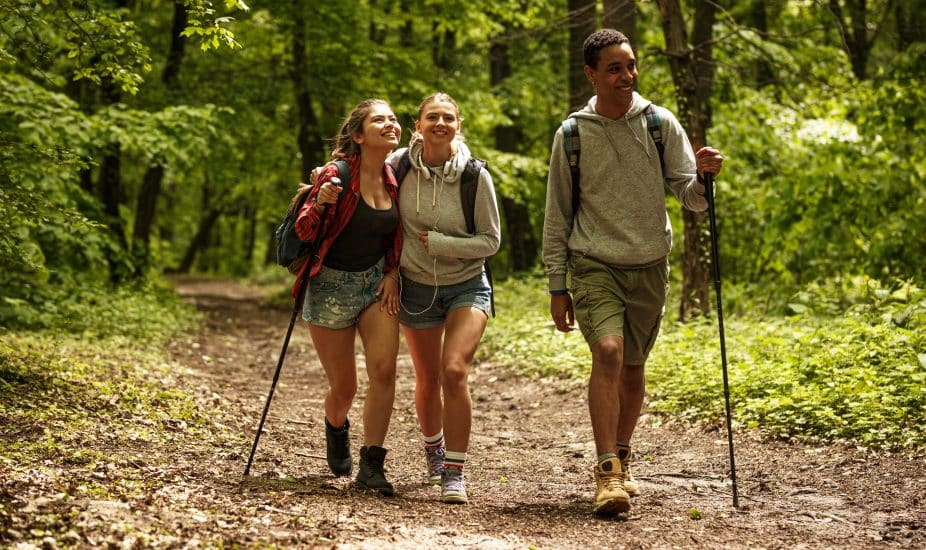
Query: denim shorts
426	306
628	303
335	299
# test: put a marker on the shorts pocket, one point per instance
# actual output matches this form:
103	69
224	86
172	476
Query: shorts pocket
328	280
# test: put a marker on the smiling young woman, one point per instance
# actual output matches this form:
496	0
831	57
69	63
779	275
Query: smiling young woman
353	287
445	294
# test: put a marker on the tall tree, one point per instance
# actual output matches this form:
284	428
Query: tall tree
857	30
621	15
692	73
581	24
152	181
522	243
311	145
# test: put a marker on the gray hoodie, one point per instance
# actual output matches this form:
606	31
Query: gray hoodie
621	218
429	200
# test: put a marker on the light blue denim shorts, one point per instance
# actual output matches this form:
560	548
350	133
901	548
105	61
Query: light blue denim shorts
335	298
422	308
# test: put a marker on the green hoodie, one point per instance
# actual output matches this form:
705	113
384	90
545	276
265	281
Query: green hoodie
621	218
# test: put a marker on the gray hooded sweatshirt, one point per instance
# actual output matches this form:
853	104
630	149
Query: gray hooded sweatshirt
429	200
621	219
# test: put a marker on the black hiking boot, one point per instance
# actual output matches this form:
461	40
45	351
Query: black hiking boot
338	448
371	474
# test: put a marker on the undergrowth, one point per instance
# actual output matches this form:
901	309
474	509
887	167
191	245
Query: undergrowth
91	384
848	363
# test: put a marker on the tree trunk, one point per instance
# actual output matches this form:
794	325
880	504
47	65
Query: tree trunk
444	42
621	15
311	146
200	239
854	32
581	24
407	35
910	21
522	244
152	181
692	74
249	216
111	192
144	216
757	18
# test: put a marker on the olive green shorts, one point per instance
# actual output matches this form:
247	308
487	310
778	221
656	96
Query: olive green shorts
627	303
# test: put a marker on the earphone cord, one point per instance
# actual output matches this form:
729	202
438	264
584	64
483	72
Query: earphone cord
433	263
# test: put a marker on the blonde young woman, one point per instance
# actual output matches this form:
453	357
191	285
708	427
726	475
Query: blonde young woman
445	295
353	286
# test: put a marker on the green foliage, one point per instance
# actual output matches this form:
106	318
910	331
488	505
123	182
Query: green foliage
523	335
150	312
857	375
822	175
850	365
64	397
208	29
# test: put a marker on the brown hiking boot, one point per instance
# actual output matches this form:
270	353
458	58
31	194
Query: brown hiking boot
610	496
630	484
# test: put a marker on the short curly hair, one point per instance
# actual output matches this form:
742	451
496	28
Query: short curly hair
600	40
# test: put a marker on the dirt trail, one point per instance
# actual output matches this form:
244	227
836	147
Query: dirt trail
528	471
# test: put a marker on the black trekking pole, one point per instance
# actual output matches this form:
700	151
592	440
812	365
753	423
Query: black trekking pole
715	265
300	297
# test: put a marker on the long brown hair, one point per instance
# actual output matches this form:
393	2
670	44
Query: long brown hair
344	144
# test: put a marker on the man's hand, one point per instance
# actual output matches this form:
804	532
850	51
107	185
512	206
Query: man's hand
708	160
562	313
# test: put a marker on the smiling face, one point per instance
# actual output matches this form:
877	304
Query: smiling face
380	128
438	123
615	75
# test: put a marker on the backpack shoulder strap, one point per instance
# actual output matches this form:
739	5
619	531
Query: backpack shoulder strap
344	175
403	165
654	127
468	184
573	146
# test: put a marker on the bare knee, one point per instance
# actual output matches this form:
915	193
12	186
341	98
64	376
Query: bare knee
381	374
456	375
342	396
608	354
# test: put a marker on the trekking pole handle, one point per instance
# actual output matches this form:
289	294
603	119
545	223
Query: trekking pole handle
336	182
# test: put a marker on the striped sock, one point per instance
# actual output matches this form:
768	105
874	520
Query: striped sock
435	440
453	459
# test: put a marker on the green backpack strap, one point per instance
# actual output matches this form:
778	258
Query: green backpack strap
573	146
654	127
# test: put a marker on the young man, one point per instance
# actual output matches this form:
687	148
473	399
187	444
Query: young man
615	243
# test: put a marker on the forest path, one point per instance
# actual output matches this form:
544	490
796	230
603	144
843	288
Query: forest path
528	468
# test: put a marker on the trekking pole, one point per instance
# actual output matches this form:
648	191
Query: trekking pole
300	297
715	265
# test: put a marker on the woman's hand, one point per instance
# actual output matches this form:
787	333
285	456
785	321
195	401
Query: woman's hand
328	194
423	237
388	292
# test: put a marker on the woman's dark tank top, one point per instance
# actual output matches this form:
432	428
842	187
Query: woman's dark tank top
361	244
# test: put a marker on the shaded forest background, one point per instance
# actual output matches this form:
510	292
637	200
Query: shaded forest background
142	137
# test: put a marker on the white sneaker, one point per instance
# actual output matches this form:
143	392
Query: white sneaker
435	456
453	491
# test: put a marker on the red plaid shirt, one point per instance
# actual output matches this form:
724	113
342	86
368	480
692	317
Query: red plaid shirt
308	221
